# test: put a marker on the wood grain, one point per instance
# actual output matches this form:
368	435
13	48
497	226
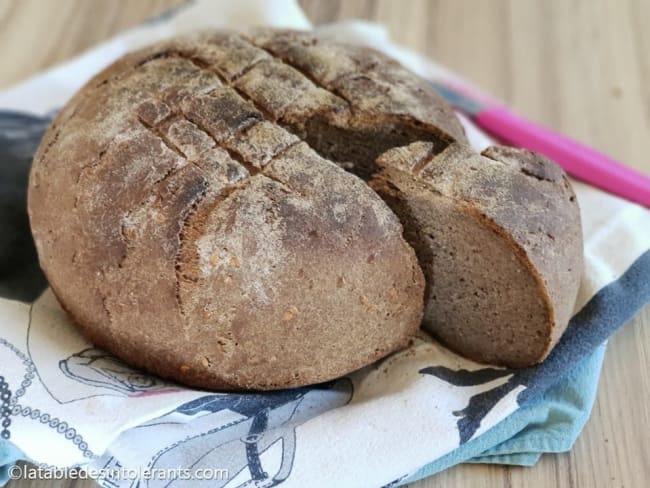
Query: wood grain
581	67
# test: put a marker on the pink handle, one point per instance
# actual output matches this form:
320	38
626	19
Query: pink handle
576	159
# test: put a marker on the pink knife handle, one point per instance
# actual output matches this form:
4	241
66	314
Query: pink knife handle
576	159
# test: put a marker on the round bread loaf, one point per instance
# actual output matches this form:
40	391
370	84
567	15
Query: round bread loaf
191	215
186	225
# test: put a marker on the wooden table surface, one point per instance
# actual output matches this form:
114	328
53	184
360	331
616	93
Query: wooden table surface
580	66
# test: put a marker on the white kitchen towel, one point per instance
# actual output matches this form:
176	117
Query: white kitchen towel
66	403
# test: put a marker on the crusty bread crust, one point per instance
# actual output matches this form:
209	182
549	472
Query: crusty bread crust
192	213
187	230
499	238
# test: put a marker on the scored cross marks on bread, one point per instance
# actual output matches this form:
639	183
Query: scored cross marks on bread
190	219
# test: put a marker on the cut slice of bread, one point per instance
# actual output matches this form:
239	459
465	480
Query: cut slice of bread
498	237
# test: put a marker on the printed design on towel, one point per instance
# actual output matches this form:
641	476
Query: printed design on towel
80	371
5	411
257	447
610	308
97	368
480	404
10	404
395	482
534	380
13	408
20	134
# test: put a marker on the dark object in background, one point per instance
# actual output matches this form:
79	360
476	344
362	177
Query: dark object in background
21	277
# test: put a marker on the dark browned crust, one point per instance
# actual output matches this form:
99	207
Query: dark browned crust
185	227
189	219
